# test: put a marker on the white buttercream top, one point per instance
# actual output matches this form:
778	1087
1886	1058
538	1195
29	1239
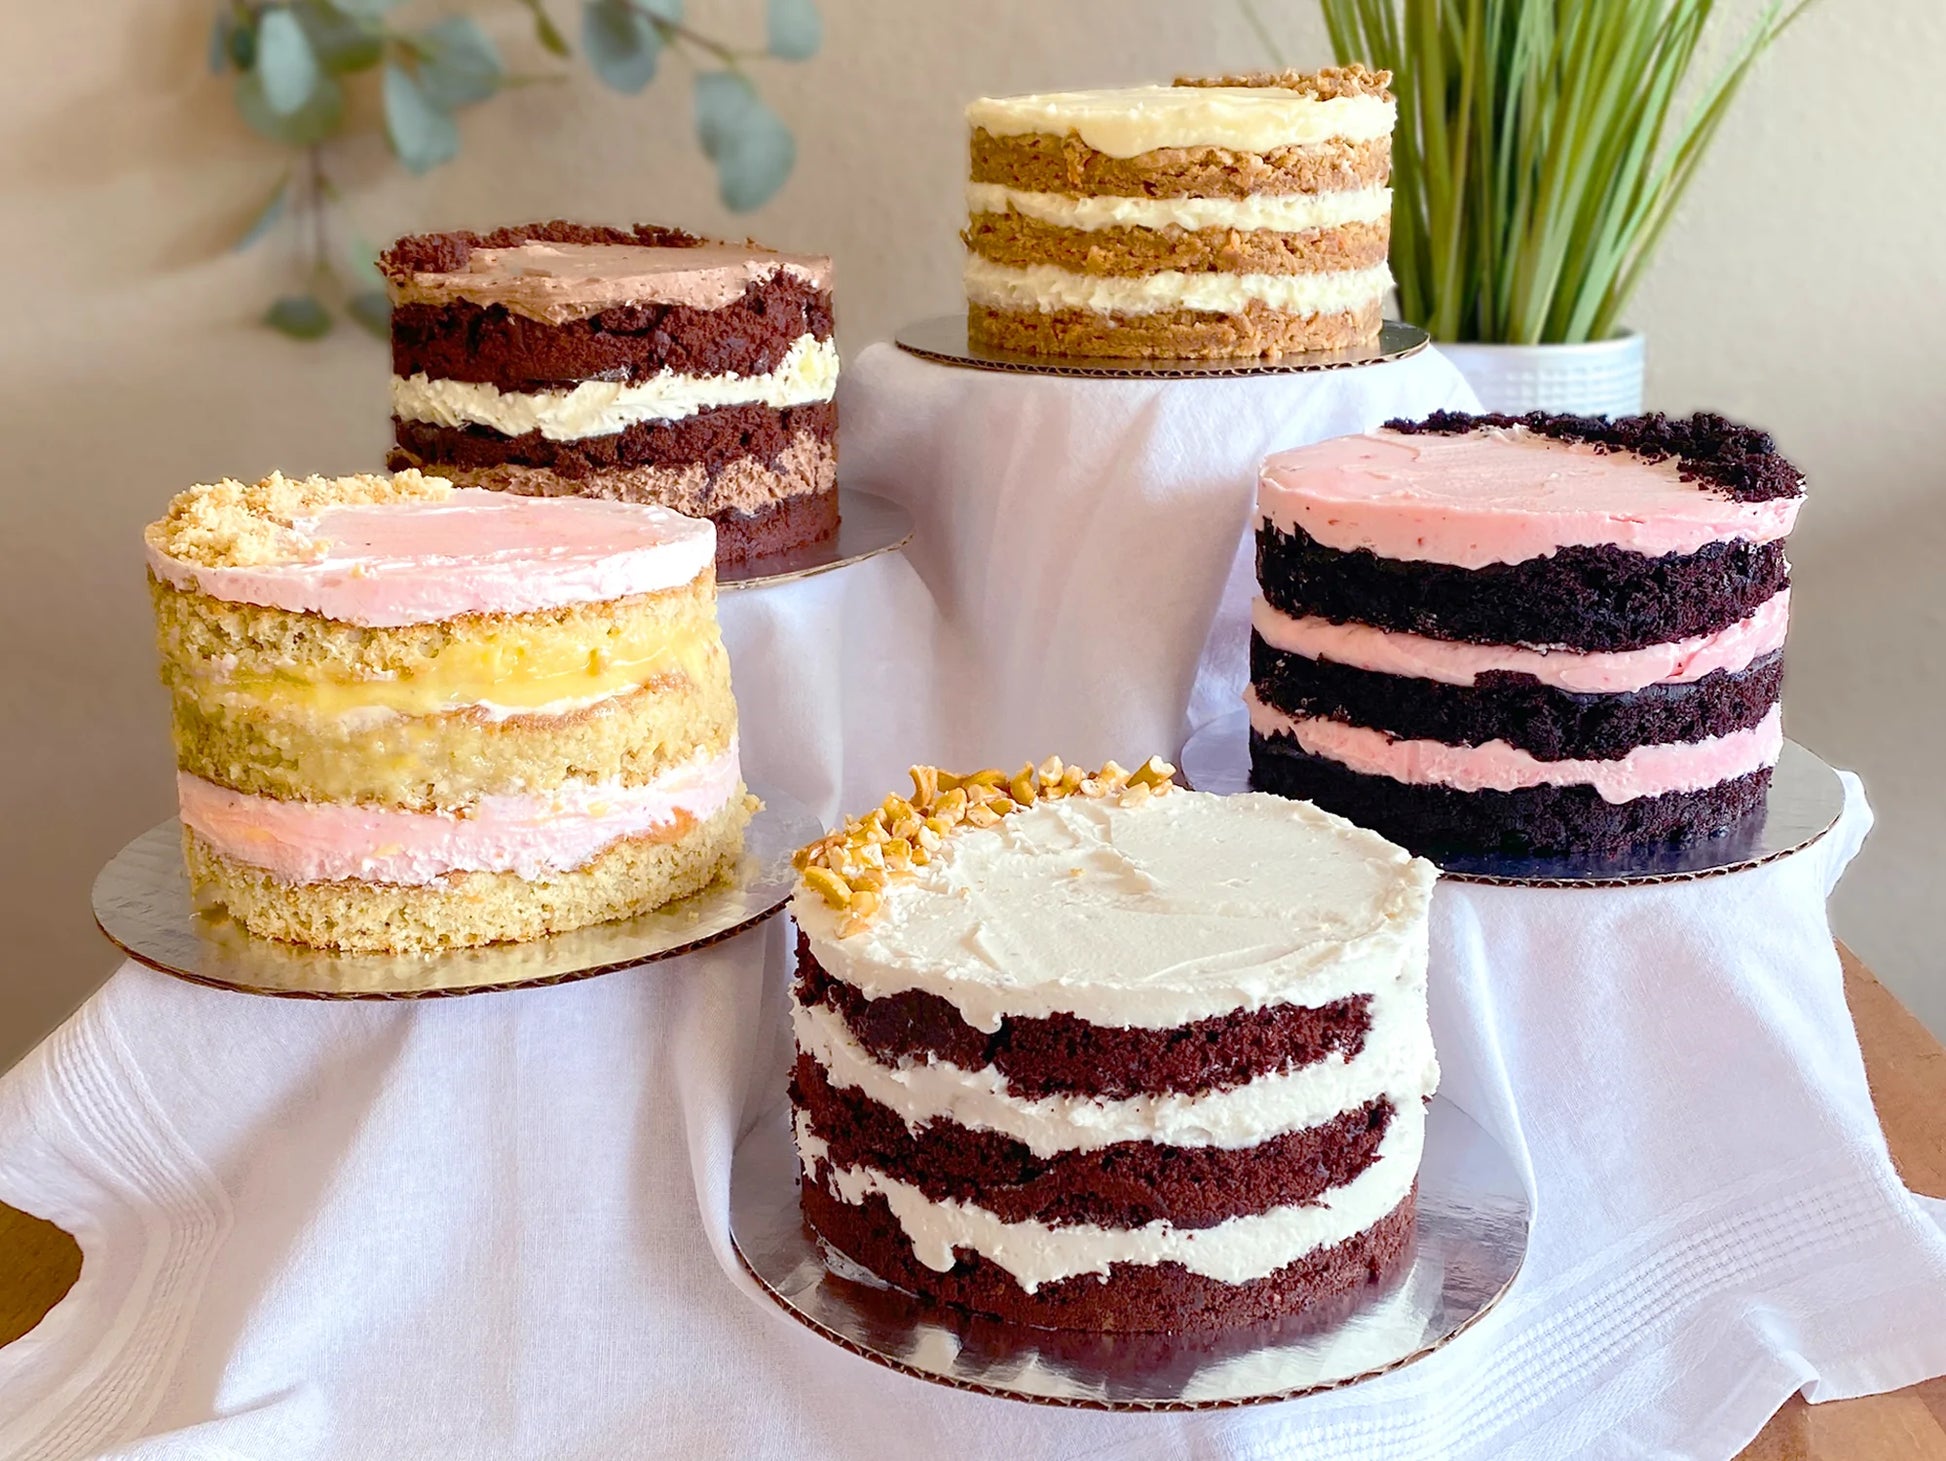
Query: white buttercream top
1187	906
1128	121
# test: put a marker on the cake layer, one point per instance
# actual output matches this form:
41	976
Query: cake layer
751	335
1063	1055
740	457
535	835
1584	598
1132	1298
1642	771
1456	662
1108	914
557	272
1126	122
1437	819
1123	1186
1396	1062
1048	288
465	909
1033	1253
807	373
1046	164
1273	213
1257	331
412	550
1514	709
1018	243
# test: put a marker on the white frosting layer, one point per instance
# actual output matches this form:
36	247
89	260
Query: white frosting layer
1396	1060
809	372
1128	121
1188	906
1047	287
1280	212
1234	1251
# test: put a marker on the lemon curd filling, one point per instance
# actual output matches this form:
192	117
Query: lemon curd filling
507	672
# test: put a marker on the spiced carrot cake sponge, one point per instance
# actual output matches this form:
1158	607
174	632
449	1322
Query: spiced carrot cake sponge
408	715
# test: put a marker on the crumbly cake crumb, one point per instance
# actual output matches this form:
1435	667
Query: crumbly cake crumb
447	253
1321	85
231	524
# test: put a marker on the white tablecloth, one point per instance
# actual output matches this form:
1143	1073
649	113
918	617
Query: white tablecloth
496	1226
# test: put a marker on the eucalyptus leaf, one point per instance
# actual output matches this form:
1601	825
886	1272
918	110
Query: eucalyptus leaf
365	9
795	29
285	61
723	100
546	31
343	43
752	148
372	309
266	217
243	47
460	64
219	42
621	43
319	119
301	316
422	134
669	10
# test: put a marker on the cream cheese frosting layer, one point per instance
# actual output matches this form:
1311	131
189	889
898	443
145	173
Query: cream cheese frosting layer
1453	662
1396	1061
1129	121
1183	908
1233	1251
557	282
1499	495
1048	287
386	565
1652	770
533	836
807	373
1281	213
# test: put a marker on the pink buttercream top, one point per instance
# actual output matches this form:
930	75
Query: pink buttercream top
1454	662
475	552
534	836
1499	495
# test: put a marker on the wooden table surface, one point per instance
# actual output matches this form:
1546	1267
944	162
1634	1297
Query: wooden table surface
1907	1068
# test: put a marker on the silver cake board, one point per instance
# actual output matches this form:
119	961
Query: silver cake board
868	525
942	339
143	902
1805	801
1473	1220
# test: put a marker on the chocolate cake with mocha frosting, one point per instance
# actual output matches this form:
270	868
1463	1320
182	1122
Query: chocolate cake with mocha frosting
644	365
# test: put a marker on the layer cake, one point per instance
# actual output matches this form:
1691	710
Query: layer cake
1089	1051
409	716
1532	634
643	365
1239	217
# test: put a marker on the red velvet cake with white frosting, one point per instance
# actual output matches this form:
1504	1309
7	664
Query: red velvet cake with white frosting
1524	634
411	716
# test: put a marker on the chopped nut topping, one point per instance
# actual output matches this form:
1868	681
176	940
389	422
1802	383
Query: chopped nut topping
850	868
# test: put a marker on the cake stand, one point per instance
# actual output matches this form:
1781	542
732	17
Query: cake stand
943	339
1473	1219
868	525
143	902
1805	801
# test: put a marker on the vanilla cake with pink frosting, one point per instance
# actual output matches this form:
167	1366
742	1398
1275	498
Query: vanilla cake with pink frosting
1524	634
410	716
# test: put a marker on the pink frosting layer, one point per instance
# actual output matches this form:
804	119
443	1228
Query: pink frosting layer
1452	662
1498	495
1497	766
388	564
533	836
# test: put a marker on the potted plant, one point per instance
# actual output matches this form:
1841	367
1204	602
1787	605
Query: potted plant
1541	150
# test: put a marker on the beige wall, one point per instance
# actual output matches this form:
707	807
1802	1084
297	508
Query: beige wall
1804	288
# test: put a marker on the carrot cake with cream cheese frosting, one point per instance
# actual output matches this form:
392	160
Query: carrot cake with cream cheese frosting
1234	217
410	716
644	365
1524	634
1084	1050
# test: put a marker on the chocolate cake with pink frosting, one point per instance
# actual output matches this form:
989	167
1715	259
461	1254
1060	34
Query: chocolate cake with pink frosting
1524	634
643	365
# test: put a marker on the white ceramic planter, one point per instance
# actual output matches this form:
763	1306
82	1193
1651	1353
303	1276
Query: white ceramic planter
1599	379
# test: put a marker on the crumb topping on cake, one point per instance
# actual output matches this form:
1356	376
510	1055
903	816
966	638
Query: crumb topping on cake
1738	462
447	253
849	868
1323	84
232	524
